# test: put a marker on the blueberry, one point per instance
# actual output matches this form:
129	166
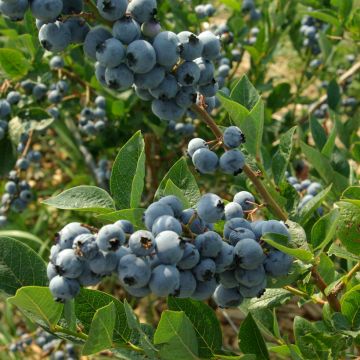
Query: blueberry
205	270
140	56
192	47
223	71
186	96
64	289
188	73
226	298
5	108
275	227
151	79
54	252
22	164
224	258
167	89
277	263
245	199
27	86
256	227
39	91
233	224
122	251
166	222
13	97
211	49
85	246
248	254
174	203
165	280
3	221
233	210
204	289
232	162
187	285
100	102
197	225
95	37
233	137
46	10
110	237
240	233
10	187
205	161
78	28
190	257
51	271
314	188
88	278
26	196
250	278
126	226
138	292
15	10
167	109
142	243
154	211
68	264
167	47
112	10
209	89
134	271
67	234
103	263
126	30
143	94
54	97
3	125
210	208
169	247
254	291
206	71
227	279
119	78
150	28
72	6
209	244
142	10
18	205
54	37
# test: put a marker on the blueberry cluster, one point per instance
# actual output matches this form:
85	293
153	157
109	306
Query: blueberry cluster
93	120
310	28
203	11
306	188
12	98
206	161
322	112
178	254
103	171
48	343
249	7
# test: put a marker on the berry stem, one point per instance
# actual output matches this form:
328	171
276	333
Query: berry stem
321	285
209	121
303	294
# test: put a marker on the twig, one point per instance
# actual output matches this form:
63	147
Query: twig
321	285
345	279
348	74
205	117
229	320
74	76
303	294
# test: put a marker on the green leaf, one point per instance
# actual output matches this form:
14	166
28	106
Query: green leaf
326	269
132	215
205	323
317	132
24	237
14	63
31	119
279	97
322	165
232	4
271	298
310	207
19	266
172	189
38	305
101	330
326	16
182	177
250	339
333	94
280	242
350	307
328	148
324	229
8	156
282	156
128	173
89	301
83	198
245	94
348	229
341	252
176	337
135	325
352	195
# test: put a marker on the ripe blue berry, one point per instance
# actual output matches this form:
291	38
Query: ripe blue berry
165	280
142	243
226	298
248	254
134	271
169	247
205	161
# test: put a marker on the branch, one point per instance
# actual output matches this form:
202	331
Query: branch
321	285
348	74
209	121
345	279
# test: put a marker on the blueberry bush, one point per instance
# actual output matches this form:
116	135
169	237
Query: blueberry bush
179	180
